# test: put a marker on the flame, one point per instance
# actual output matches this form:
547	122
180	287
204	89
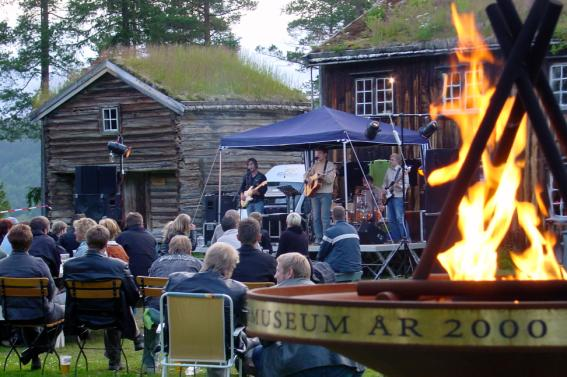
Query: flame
490	206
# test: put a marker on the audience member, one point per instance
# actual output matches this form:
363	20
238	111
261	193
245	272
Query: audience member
181	226
58	228
230	232
218	229
265	243
5	226
294	238
43	246
82	226
113	249
274	359
21	264
214	277
95	266
5	246
341	245
254	264
140	245
68	240
179	259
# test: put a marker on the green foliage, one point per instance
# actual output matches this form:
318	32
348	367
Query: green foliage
4	203
318	20
33	196
207	73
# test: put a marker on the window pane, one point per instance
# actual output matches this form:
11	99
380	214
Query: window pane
359	109
359	97
106	125
368	109
555	71
563	99
380	96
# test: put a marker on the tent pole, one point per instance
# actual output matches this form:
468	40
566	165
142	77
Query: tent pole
220	188
345	175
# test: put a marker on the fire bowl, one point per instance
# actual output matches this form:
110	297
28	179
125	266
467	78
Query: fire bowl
439	336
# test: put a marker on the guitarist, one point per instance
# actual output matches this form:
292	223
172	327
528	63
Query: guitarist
324	172
395	197
253	178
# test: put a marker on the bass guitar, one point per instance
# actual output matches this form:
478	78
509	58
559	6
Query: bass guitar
248	194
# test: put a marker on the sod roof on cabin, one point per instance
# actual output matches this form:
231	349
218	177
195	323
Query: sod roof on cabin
415	25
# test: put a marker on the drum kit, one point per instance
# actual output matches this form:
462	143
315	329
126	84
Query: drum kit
362	210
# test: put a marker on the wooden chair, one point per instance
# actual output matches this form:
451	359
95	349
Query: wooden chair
258	284
97	306
199	342
26	288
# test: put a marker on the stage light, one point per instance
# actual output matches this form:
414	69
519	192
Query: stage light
372	130
119	149
429	129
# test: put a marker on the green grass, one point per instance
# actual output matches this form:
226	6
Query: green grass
208	73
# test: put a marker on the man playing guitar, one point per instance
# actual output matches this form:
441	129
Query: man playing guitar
395	196
320	178
253	186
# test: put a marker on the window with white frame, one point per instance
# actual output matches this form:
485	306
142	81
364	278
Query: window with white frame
363	97
558	81
452	90
110	121
384	95
473	89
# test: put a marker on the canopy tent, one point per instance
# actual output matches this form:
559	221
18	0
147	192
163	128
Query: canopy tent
323	126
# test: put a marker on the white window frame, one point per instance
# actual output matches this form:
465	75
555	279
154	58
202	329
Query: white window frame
381	107
471	92
452	100
364	91
108	119
560	81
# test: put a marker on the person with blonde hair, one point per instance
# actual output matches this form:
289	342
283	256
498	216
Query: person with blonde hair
265	243
82	226
294	238
113	249
396	180
215	277
181	226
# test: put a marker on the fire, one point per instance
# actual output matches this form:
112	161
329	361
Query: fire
490	206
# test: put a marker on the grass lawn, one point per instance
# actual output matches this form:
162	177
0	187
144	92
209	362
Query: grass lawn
97	362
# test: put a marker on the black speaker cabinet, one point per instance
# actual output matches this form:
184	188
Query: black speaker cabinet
97	206
208	231
212	204
95	180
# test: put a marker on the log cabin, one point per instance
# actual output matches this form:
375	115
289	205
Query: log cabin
174	133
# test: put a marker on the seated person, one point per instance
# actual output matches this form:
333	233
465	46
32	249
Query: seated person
219	264
44	246
93	266
218	229
273	359
113	249
22	265
341	245
229	226
294	237
265	243
179	259
254	264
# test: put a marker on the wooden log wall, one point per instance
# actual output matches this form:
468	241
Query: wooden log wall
201	129
61	196
163	199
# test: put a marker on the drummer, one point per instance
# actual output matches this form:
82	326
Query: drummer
375	204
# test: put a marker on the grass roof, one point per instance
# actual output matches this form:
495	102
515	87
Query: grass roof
407	21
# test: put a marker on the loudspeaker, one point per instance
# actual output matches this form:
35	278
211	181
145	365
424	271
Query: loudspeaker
95	180
371	233
97	206
211	205
208	231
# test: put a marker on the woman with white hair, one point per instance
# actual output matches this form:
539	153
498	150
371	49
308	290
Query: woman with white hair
294	238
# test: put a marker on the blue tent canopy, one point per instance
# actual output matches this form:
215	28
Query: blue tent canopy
323	126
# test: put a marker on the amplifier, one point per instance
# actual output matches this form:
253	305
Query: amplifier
208	231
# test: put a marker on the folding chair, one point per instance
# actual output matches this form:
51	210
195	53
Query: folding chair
13	289
97	307
150	288
199	342
258	284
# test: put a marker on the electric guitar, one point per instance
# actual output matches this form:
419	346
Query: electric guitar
389	191
248	194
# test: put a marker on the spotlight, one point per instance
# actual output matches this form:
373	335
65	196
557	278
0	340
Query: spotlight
119	149
372	130
429	129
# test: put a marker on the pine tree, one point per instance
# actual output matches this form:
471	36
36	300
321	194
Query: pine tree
4	203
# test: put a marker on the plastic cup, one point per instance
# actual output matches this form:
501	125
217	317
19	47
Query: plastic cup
65	364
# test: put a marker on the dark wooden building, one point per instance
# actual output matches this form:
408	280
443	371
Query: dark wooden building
174	143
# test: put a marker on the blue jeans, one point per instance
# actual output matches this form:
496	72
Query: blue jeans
396	220
321	209
255	207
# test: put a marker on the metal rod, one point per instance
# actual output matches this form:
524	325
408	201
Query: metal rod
345	174
530	101
470	164
219	204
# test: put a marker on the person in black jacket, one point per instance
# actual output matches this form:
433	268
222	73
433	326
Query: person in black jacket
253	179
294	238
95	266
254	264
44	246
68	240
20	264
140	245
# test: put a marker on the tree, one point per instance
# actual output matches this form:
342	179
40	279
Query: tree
4	203
320	19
